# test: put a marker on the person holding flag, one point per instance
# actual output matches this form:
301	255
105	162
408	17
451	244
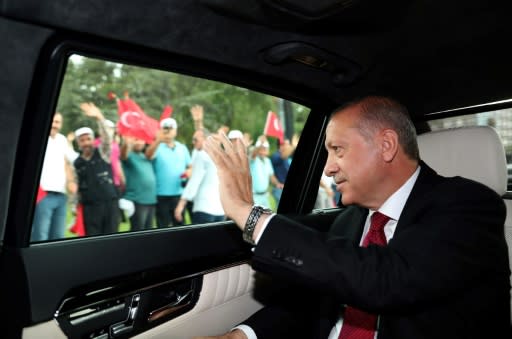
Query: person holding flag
140	183
134	122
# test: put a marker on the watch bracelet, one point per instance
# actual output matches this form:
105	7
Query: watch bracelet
251	222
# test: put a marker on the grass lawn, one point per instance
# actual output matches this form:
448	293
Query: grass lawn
124	226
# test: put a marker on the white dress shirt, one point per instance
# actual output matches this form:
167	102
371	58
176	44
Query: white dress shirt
203	186
392	207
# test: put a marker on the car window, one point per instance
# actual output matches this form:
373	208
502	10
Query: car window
501	120
124	150
327	196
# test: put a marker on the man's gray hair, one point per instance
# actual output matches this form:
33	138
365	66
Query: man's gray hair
378	112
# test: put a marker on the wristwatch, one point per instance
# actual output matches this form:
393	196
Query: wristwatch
252	220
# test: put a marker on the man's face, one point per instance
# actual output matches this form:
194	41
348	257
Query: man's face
285	148
85	143
56	124
353	162
263	151
169	134
198	140
138	145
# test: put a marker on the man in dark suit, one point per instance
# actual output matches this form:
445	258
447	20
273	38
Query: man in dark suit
415	255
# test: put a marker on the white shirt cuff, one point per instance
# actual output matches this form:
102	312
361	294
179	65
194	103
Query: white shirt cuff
249	332
263	227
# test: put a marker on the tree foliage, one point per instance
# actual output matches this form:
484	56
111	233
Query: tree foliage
92	79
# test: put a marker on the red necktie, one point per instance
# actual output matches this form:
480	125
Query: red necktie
358	324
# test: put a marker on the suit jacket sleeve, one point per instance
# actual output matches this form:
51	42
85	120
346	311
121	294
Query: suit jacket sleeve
293	310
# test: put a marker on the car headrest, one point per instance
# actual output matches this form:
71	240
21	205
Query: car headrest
475	153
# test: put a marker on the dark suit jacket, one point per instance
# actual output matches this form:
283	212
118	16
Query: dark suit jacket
444	274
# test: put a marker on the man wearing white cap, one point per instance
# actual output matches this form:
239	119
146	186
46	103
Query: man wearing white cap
234	133
170	160
245	137
96	189
262	172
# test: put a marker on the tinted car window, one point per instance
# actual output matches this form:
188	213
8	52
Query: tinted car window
103	171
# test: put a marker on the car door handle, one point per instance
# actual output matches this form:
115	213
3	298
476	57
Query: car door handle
126	325
181	301
119	329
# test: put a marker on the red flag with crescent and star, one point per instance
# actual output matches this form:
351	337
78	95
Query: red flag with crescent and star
133	122
273	127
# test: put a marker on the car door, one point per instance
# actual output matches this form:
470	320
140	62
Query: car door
158	282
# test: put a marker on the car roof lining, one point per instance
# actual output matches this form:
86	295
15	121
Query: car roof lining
423	54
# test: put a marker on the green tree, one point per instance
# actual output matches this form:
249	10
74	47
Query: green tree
92	79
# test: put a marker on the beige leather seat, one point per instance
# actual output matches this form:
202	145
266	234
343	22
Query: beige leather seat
473	152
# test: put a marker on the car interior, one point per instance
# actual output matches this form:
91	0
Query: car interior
447	61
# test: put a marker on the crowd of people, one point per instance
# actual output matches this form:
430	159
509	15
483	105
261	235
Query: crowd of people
114	178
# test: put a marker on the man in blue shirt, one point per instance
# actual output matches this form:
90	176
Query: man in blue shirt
170	160
140	183
281	160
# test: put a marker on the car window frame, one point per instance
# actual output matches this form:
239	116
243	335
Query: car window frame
44	93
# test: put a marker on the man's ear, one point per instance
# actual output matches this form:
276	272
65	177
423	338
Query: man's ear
389	144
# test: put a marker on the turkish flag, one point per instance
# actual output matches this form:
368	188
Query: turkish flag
273	127
79	227
133	122
40	194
